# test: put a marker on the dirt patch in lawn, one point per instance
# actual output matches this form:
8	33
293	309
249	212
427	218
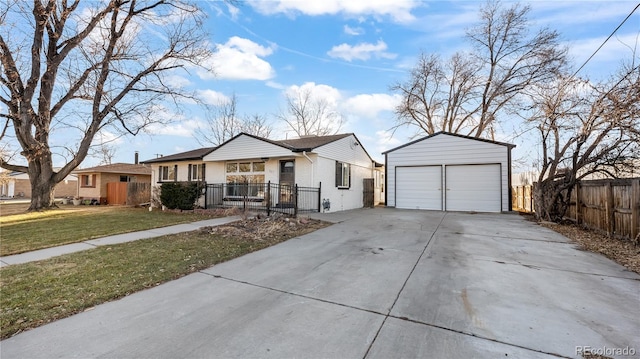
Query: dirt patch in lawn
622	252
260	228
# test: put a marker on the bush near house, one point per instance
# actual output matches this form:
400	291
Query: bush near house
180	195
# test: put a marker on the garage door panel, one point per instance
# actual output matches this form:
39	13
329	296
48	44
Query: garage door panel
419	187
473	188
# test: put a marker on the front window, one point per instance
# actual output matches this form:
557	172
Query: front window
87	180
196	172
245	179
343	175
167	173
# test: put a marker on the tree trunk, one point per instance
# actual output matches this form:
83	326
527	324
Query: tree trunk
42	183
552	199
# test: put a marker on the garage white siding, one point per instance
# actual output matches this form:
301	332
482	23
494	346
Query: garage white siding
419	187
446	150
473	188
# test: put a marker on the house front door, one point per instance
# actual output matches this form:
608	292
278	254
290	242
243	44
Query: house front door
287	181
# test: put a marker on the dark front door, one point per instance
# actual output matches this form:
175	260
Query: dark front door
287	181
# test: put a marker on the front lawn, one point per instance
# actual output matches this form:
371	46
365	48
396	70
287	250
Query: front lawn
37	293
70	224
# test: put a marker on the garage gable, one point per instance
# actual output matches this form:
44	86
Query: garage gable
475	173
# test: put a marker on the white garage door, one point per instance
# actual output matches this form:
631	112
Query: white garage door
419	187
473	188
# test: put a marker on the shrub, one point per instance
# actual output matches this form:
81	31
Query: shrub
180	195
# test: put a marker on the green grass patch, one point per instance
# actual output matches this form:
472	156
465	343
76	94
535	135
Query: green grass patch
70	224
37	293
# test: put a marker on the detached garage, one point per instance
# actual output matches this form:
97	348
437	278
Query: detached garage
450	172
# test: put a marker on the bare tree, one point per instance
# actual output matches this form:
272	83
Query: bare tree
584	128
80	67
224	122
105	152
308	114
467	93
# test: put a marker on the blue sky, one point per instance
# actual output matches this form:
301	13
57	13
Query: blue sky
350	52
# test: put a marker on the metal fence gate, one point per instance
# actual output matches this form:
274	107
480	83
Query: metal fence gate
269	197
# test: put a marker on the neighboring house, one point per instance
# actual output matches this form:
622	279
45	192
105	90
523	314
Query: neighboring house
338	164
93	182
17	185
450	172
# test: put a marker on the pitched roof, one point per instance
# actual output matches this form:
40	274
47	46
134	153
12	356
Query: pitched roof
308	143
196	154
450	134
127	168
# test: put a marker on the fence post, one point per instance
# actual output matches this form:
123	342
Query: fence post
267	198
635	210
295	201
578	203
610	209
319	196
206	195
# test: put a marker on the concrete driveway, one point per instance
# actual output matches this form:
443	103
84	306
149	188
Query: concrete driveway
381	283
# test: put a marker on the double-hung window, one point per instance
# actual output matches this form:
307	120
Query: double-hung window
167	173
196	172
343	175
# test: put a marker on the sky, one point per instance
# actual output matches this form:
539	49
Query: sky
351	52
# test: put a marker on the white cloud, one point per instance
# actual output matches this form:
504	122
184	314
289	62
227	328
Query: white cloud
386	140
233	11
355	31
182	128
275	85
327	93
212	97
370	105
362	51
399	11
239	59
616	49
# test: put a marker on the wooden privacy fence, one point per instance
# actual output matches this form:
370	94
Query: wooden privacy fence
608	205
611	205
522	198
129	193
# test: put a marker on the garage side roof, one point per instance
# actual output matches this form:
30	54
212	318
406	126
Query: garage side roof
509	145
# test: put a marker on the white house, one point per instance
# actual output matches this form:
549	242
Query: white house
337	164
450	172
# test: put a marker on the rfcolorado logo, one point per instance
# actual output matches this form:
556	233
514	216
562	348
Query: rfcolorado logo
581	350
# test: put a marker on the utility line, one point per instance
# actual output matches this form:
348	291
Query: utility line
605	41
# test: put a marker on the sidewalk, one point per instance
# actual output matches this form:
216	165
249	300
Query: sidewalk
111	240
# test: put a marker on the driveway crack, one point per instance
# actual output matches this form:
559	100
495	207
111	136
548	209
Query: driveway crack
386	316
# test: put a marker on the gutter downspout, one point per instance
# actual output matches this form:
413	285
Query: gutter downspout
304	153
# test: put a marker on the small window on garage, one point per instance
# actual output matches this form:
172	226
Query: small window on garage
343	175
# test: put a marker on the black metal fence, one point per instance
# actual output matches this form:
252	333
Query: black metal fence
269	197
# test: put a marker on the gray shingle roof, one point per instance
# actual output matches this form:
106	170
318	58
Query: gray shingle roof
126	168
311	142
196	154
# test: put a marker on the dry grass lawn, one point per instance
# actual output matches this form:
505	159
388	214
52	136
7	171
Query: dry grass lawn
37	293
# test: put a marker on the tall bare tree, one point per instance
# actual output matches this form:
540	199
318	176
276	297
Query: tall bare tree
308	114
223	123
584	128
84	66
468	92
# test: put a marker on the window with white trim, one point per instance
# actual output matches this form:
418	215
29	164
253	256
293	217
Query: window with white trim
167	173
343	175
196	172
244	178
